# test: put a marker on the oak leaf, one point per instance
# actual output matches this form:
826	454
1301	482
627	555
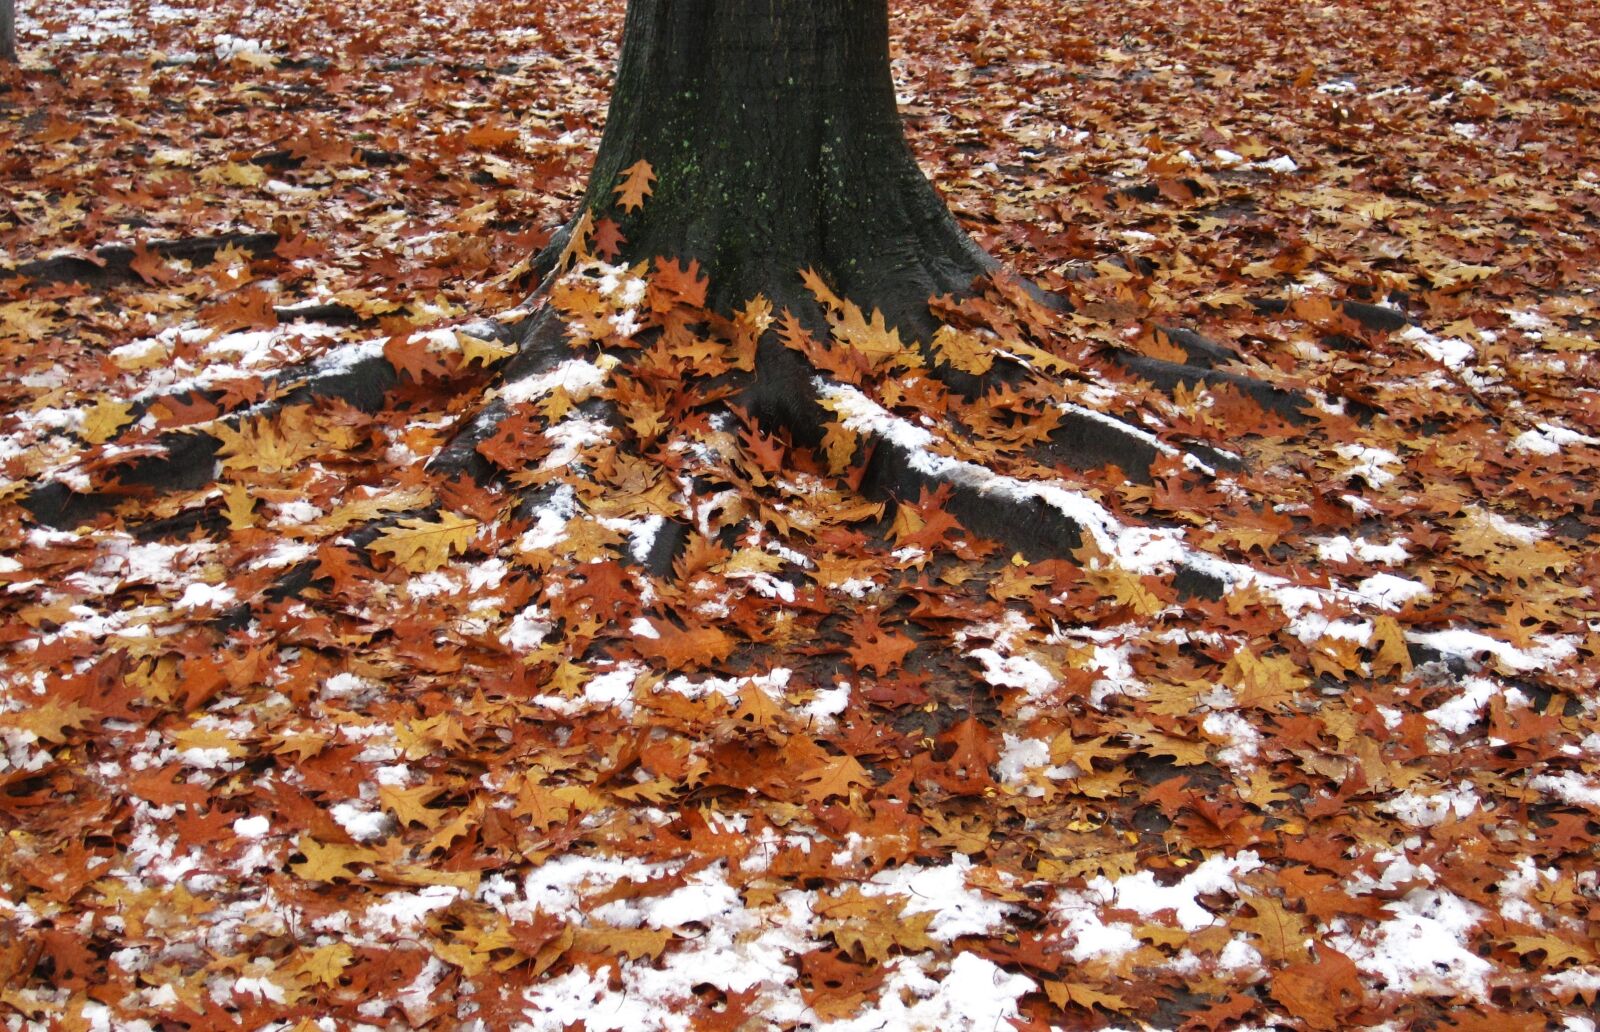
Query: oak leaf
838	447
49	721
238	507
834	985
1077	994
151	267
1322	993
324	964
685	647
409	805
486	353
361	510
963	351
1557	951
421	545
247	309
972	747
540	804
635	185
283	443
632	943
1264	682
677	283
489	137
877	649
104	419
419	358
608	240
871	338
1389	652
758	710
869	927
328	863
1283	933
834	778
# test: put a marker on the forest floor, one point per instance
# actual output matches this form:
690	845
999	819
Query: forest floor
849	767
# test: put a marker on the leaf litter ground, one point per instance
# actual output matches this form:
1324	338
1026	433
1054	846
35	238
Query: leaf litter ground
849	766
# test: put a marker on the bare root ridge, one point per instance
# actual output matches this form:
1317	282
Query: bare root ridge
806	369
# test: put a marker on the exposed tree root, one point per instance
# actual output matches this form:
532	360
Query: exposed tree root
114	263
781	386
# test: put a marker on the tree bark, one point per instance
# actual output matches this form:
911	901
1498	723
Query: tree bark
773	132
8	30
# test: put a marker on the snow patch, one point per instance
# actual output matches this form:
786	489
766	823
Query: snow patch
1423	948
957	909
1546	439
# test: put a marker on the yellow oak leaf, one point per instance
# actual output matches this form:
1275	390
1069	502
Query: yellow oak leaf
880	345
868	927
819	289
758	710
238	507
1035	357
1184	752
656	790
326	863
1283	933
421	545
1064	994
839	447
427	874
282	443
363	509
1127	588
325	963
578	243
409	805
49	721
104	419
632	943
962	350
540	804
1389	652
206	739
485	352
1264	682
1556	951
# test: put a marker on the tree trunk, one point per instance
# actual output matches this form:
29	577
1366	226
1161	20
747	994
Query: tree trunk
8	30
772	129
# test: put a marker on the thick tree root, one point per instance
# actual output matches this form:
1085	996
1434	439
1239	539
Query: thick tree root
113	264
184	457
897	462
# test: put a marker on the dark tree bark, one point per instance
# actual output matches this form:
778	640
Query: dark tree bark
8	30
773	131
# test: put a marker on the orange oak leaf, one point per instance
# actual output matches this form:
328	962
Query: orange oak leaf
608	240
972	748
417	358
834	778
248	309
635	185
876	649
684	647
677	283
151	267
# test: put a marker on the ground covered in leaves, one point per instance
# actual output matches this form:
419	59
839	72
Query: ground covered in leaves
849	765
